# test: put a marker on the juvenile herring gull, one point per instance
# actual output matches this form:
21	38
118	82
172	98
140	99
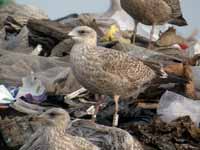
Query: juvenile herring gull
154	12
108	71
51	134
126	22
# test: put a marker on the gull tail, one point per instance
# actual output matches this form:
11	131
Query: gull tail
180	21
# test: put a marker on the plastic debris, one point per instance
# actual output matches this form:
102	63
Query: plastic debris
5	96
13	90
173	106
196	76
32	90
113	34
37	50
181	134
91	110
194	49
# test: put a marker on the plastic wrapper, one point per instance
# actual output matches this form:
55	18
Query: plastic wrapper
5	95
196	76
194	50
32	90
173	106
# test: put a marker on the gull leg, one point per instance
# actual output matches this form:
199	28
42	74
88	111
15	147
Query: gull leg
116	116
100	99
151	37
134	32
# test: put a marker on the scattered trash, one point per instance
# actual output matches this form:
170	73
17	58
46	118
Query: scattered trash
91	110
196	76
173	106
27	108
13	90
32	90
194	50
75	94
181	134
5	96
31	42
37	50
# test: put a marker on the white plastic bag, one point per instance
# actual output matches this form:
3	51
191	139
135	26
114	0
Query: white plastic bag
32	90
173	106
5	96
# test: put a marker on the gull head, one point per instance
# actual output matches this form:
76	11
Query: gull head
83	34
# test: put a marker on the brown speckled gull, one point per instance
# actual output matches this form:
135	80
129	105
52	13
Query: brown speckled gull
108	71
154	12
51	134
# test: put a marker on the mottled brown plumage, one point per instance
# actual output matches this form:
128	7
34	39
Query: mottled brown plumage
154	12
51	135
107	71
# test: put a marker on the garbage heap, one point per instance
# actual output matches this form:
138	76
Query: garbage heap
35	76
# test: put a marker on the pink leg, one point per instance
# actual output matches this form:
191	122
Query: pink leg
116	116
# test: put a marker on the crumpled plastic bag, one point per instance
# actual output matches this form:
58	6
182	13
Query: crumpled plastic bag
196	79
194	49
196	76
54	73
173	106
5	95
15	42
32	90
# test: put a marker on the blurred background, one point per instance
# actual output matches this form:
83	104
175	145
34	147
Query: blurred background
60	8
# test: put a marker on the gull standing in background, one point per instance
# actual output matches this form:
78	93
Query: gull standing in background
126	22
154	12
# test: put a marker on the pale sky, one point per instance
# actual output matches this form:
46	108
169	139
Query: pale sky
60	8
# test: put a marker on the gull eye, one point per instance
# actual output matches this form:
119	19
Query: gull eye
52	114
81	31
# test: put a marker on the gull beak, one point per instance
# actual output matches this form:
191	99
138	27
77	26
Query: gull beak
40	119
37	119
71	34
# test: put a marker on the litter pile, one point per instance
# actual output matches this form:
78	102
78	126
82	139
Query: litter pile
36	80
